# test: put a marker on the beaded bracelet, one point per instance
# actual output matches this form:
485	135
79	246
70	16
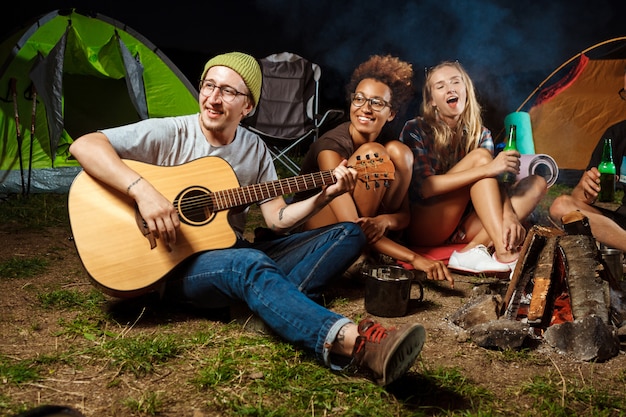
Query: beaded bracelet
132	184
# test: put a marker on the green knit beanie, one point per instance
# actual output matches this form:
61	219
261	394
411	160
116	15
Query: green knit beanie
244	65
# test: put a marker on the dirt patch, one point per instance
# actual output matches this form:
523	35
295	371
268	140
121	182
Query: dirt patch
31	331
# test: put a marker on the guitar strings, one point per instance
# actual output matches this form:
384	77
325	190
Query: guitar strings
224	199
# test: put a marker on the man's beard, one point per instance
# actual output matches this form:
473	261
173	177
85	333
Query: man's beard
215	129
214	126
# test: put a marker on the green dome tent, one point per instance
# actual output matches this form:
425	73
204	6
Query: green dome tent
68	74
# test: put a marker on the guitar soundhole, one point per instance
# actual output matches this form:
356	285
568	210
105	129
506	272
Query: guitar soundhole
195	206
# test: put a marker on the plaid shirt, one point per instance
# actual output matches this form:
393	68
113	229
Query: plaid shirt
425	164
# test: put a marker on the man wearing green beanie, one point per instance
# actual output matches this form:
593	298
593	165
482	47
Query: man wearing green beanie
246	66
281	279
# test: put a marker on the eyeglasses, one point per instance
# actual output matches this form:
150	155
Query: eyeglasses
622	94
377	104
228	93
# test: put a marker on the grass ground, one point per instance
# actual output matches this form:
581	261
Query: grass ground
64	342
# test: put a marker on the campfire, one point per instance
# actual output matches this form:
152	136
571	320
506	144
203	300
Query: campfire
561	293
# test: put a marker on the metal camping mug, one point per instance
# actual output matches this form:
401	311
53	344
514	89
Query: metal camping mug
613	259
388	290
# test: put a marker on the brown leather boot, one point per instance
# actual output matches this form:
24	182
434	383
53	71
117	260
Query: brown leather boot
388	353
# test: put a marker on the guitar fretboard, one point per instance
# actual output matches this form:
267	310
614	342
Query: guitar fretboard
234	197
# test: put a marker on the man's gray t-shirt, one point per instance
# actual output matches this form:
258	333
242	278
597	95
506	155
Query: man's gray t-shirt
171	141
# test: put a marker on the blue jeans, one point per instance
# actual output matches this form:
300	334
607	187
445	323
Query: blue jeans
277	279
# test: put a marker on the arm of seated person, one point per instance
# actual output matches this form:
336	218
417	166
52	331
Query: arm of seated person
435	270
376	227
588	186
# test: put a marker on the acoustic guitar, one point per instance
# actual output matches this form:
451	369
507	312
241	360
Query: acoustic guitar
124	259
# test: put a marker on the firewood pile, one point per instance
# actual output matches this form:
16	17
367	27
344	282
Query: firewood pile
560	293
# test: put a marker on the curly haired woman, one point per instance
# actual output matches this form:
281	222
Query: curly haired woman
454	195
379	89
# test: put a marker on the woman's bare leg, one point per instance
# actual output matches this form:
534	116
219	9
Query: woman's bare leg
402	159
487	201
369	193
525	195
435	219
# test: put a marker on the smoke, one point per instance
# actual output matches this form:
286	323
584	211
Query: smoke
508	47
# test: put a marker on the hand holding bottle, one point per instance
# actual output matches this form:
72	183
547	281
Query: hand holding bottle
590	185
509	177
607	173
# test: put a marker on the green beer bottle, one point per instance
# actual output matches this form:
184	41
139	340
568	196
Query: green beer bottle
511	145
607	173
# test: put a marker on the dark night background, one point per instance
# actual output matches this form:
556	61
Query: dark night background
508	47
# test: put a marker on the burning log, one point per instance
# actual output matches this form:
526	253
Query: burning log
587	290
587	339
559	290
522	283
542	282
555	263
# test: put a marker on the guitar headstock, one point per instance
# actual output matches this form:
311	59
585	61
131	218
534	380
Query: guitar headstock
374	169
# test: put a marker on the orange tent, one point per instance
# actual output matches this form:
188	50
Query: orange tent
570	116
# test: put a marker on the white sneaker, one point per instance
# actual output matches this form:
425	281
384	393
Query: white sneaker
476	260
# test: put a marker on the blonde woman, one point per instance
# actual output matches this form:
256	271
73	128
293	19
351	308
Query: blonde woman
455	196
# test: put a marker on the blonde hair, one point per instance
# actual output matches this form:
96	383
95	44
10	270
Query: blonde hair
451	144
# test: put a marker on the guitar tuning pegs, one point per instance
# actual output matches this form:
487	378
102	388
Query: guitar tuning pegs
358	157
387	185
367	185
367	157
376	154
376	184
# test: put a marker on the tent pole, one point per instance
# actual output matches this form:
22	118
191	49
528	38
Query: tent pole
32	135
621	38
17	129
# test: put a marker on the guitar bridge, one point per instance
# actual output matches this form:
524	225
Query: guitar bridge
143	228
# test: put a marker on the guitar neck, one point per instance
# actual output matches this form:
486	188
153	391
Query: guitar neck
242	196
